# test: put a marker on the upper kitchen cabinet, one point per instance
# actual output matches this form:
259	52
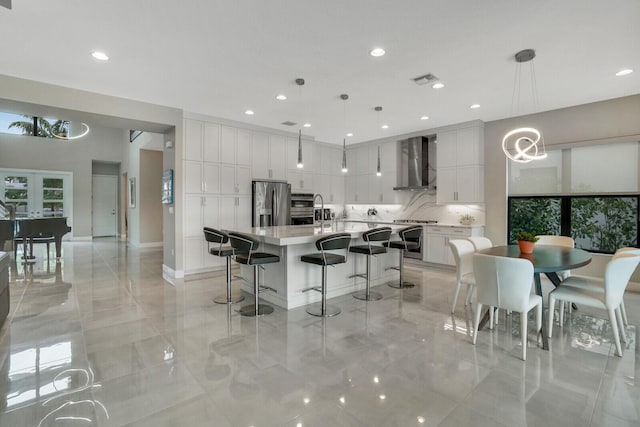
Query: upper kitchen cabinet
268	153
362	162
202	141
235	146
460	163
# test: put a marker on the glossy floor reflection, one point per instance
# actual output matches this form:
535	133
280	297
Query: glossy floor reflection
102	340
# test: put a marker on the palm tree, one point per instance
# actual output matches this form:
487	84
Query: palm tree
26	126
59	128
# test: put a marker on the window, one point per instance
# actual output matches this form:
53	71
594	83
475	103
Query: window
597	223
590	193
16	194
52	197
45	127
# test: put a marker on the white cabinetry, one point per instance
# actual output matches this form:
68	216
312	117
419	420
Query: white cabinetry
460	160
235	146
217	183
235	212
437	241
235	179
200	211
202	141
362	184
381	187
268	156
202	177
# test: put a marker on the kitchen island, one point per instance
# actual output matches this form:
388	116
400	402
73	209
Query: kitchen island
291	276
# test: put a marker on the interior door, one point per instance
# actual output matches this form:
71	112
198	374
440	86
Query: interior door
105	205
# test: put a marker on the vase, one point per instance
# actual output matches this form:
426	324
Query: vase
526	247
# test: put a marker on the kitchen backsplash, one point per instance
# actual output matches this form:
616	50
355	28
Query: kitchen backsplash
421	206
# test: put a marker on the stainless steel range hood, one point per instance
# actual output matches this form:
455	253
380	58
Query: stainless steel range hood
417	164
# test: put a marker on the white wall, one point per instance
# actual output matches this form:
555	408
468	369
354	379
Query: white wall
27	152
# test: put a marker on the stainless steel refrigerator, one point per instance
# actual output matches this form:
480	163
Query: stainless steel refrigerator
271	204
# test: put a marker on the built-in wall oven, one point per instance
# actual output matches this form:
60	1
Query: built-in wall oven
302	208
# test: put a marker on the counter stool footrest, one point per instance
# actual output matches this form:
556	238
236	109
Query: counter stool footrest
313	288
264	288
363	275
392	268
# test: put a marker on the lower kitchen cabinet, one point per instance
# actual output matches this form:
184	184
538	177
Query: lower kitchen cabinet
437	241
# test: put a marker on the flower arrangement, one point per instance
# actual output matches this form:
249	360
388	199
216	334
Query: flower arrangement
466	219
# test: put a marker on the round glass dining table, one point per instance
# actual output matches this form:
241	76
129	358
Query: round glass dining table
547	259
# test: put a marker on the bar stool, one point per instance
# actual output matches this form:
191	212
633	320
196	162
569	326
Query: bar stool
374	235
212	235
328	243
411	238
246	254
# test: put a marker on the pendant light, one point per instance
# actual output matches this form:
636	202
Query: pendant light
300	83
378	171
524	144
344	156
344	169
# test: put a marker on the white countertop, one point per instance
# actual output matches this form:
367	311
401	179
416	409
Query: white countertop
407	224
285	235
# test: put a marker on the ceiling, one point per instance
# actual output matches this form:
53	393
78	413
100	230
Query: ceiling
221	58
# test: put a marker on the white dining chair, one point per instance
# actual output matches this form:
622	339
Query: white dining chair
596	284
616	278
463	255
566	241
480	243
506	283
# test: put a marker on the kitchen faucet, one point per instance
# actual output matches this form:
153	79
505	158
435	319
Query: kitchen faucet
321	210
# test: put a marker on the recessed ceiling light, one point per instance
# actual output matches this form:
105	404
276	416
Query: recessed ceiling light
474	106
424	118
249	112
438	85
101	56
349	134
281	97
378	51
307	125
624	72
385	126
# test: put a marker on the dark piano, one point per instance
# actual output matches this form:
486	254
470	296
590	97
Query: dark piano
28	231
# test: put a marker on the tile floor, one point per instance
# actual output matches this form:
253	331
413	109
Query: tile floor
101	340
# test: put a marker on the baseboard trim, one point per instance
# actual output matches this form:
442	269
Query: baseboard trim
151	245
170	275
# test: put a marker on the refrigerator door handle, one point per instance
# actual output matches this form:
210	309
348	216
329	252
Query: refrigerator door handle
274	207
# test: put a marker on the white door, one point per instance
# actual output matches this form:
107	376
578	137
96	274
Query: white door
105	205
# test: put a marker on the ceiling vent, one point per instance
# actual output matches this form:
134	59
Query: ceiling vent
426	79
288	123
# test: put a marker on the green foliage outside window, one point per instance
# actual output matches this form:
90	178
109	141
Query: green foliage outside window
604	223
536	215
601	224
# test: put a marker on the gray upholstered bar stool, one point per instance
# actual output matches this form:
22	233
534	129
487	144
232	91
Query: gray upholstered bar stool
411	238
381	234
218	238
247	246
329	243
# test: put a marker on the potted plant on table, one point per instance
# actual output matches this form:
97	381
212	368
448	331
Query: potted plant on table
526	241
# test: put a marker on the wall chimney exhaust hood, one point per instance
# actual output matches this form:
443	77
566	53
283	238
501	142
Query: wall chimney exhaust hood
417	164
